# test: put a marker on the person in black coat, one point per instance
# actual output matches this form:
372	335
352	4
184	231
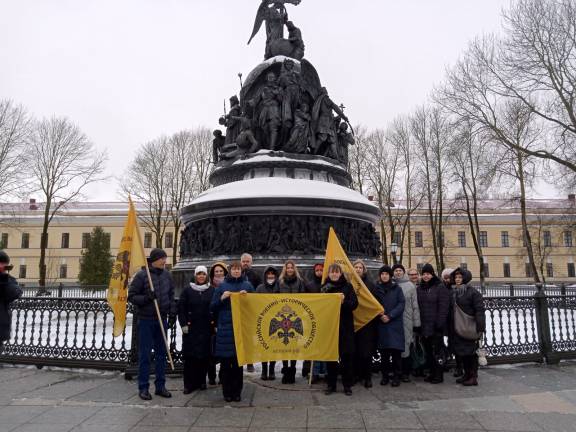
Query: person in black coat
141	295
434	301
391	326
197	330
471	302
365	338
337	283
9	292
218	272
269	286
290	282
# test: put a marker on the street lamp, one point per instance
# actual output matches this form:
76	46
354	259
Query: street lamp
394	251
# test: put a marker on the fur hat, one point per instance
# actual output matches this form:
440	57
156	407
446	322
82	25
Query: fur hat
386	269
427	268
156	254
398	266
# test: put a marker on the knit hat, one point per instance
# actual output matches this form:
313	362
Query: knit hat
386	269
427	268
4	258
398	266
156	254
200	269
446	273
221	265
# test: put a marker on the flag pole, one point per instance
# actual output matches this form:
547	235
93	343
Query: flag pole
158	315
311	373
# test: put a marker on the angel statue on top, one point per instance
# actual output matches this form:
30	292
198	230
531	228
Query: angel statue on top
276	17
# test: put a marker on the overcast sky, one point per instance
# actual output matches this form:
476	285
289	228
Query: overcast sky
127	71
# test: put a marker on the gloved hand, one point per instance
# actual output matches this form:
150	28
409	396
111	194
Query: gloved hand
171	320
185	329
151	295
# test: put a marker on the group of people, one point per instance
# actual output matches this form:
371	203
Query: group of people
409	336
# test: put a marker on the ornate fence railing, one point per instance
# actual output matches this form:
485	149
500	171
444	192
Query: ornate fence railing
78	332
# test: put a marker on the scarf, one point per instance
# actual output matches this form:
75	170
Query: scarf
199	288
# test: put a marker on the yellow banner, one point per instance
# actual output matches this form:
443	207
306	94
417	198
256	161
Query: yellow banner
130	259
269	327
368	307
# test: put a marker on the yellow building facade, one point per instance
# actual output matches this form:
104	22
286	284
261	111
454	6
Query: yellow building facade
552	226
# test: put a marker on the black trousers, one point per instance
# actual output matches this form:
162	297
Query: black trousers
406	365
195	371
268	368
232	377
391	362
363	367
212	369
346	367
288	363
470	365
432	345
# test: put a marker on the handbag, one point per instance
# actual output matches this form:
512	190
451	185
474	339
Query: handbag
464	324
481	353
417	354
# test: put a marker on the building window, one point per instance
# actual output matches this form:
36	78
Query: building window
85	240
147	240
462	239
22	271
547	239
168	240
568	239
63	271
418	242
464	266
4	241
65	240
486	270
25	241
419	267
549	270
505	239
529	273
571	270
506	268
483	239
398	238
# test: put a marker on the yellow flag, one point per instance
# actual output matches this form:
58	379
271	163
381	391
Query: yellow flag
130	259
368	307
269	327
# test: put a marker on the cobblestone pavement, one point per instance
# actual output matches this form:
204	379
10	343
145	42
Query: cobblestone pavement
520	398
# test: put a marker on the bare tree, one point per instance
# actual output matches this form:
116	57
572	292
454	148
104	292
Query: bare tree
432	130
14	133
381	171
62	162
474	169
146	180
188	169
358	160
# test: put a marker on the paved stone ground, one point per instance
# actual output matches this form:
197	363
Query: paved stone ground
520	398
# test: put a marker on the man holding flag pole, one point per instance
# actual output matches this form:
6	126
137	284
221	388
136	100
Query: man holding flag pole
152	292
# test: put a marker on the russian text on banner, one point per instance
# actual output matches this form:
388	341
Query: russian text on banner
129	260
269	327
368	307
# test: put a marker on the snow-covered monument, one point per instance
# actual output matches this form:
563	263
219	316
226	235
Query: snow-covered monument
280	178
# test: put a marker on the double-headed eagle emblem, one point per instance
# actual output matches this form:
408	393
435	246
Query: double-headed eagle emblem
286	324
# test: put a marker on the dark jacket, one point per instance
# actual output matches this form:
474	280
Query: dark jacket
434	301
252	276
138	293
314	285
470	300
9	291
264	287
365	338
194	313
225	347
291	285
391	334
346	336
